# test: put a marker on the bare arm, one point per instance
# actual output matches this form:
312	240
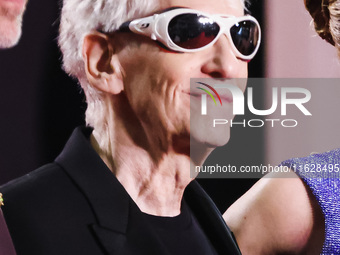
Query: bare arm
277	216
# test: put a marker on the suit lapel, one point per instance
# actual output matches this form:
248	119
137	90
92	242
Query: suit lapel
106	196
112	242
210	220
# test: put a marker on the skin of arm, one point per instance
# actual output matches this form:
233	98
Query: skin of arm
278	215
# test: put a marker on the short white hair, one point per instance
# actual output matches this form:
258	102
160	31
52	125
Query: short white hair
78	19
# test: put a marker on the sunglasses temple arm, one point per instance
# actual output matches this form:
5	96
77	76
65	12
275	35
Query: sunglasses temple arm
125	27
143	26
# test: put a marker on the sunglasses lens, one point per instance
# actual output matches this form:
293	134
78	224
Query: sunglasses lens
245	36
192	31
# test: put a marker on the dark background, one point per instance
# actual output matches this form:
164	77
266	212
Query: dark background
40	105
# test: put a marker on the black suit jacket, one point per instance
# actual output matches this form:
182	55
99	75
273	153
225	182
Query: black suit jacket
76	206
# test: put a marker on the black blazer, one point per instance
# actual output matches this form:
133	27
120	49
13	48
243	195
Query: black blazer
76	206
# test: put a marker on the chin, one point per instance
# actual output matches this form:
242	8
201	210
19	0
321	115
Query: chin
202	146
210	139
218	140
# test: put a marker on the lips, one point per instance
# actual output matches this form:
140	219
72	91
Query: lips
226	97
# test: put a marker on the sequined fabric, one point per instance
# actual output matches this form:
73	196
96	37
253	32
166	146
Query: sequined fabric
321	172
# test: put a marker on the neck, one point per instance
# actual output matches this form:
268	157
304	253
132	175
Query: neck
155	181
157	187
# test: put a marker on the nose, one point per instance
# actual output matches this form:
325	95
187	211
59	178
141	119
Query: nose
222	61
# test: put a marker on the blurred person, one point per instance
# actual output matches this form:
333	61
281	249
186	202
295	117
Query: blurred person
283	214
11	12
118	185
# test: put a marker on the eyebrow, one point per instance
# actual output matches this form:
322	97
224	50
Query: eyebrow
171	8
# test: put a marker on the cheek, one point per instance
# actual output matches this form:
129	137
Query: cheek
243	69
152	73
155	83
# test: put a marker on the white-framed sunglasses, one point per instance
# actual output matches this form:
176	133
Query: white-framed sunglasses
188	30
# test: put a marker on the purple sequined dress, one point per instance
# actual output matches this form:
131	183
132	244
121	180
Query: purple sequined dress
6	245
321	172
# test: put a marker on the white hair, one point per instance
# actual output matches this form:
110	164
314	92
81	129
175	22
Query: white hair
78	19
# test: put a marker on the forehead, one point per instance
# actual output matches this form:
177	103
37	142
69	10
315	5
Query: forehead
230	7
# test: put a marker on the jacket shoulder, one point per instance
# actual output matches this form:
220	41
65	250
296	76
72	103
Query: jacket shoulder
42	190
43	176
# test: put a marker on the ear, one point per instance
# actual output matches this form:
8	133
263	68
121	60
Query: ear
102	65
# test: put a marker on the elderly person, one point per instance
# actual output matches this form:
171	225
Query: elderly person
118	186
284	214
11	12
